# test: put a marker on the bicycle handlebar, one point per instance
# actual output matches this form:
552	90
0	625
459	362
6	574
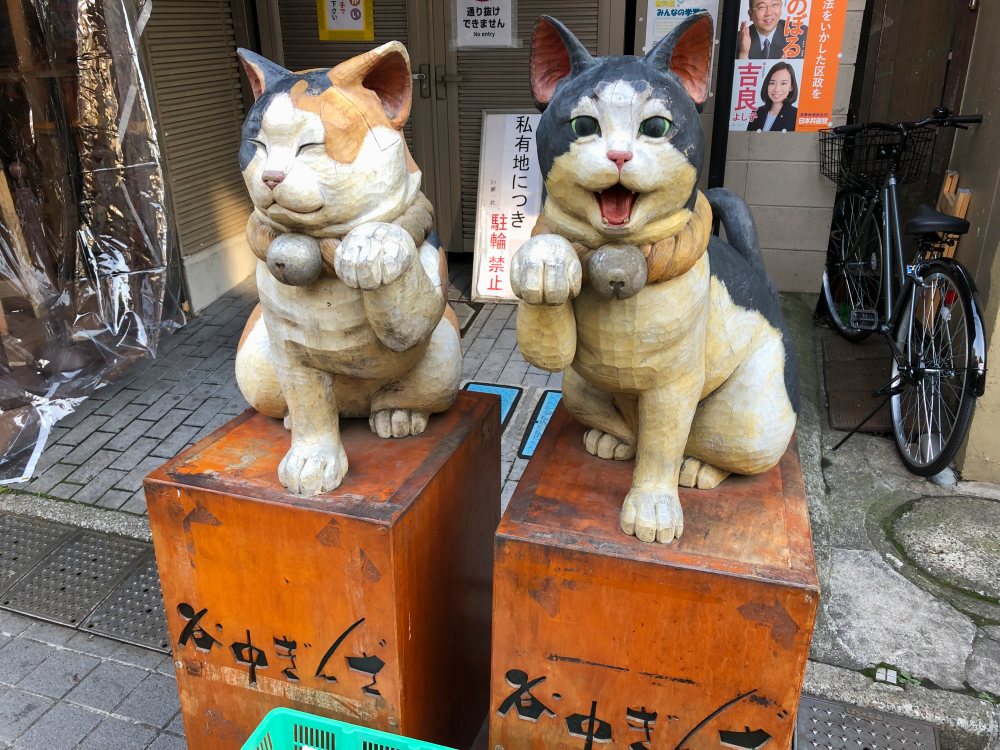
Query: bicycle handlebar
942	118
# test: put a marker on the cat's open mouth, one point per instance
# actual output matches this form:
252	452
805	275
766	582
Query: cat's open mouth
616	204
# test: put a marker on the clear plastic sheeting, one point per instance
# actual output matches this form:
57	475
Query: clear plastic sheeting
84	237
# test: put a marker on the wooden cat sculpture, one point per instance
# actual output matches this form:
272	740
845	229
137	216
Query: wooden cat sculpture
676	349
353	317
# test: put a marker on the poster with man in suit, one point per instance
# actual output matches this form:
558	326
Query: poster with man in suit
770	36
784	82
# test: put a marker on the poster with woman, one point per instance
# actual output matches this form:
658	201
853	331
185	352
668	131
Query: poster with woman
787	56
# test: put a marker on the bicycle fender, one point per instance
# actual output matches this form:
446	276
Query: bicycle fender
975	314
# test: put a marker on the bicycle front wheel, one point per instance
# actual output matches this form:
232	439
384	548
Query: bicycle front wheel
852	278
936	336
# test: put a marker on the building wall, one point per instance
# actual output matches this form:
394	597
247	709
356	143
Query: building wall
778	175
976	156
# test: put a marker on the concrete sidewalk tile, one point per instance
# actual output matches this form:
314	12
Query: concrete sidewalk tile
93	466
135	504
166	424
177	725
61	728
95	488
83	430
163	404
114	405
154	701
124	418
47	632
113	499
18	711
88	643
19	657
127	436
87	447
153	393
204	413
131	457
50	477
118	734
168	741
64	491
213	424
12	623
135	656
50	455
133	480
200	394
59	674
107	685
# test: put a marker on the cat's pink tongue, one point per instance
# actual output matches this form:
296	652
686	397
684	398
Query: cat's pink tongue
616	204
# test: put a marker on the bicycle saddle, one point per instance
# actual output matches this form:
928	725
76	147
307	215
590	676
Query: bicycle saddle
926	219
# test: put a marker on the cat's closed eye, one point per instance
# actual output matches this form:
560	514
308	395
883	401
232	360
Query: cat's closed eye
585	125
654	127
259	144
304	146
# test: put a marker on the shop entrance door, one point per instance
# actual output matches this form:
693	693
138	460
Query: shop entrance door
451	87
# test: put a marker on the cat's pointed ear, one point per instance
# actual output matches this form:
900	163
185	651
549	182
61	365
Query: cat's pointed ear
555	53
386	71
687	52
260	71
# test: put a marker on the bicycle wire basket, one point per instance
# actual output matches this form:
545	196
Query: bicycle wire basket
861	159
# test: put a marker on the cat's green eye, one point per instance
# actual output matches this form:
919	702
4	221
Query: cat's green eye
654	127
584	126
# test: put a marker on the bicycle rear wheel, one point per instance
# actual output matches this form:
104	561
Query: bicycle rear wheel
936	335
852	279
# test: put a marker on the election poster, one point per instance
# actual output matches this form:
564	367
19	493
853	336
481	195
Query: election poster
484	23
346	20
787	59
509	200
663	15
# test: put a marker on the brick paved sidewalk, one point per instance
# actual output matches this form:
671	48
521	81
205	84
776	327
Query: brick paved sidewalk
61	689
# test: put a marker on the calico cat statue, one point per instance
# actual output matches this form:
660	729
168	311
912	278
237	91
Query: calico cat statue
353	318
673	343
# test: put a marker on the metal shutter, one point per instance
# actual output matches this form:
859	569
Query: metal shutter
303	49
498	79
196	79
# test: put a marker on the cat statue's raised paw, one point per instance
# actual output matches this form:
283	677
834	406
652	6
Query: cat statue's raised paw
672	341
353	318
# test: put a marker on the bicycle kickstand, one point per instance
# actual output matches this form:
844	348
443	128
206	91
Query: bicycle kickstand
890	389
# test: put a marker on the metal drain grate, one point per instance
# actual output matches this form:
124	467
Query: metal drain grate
77	576
25	541
825	725
134	612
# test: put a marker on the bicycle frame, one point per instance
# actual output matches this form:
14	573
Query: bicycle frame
898	279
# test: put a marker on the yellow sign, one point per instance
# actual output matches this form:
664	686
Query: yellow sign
346	20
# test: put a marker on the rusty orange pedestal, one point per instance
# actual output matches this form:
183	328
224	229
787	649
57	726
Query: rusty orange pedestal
370	604
599	638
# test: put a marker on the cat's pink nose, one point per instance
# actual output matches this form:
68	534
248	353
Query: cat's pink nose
273	179
620	157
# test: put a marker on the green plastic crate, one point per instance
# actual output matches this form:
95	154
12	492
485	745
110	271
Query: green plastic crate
285	729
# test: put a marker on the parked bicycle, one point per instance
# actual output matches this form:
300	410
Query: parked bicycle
927	309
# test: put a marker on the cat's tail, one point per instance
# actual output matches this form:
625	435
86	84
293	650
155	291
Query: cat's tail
741	232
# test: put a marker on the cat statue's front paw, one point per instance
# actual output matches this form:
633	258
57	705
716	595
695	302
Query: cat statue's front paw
546	271
652	514
374	255
312	467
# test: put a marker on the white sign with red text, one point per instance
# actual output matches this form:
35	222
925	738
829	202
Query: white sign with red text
509	200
